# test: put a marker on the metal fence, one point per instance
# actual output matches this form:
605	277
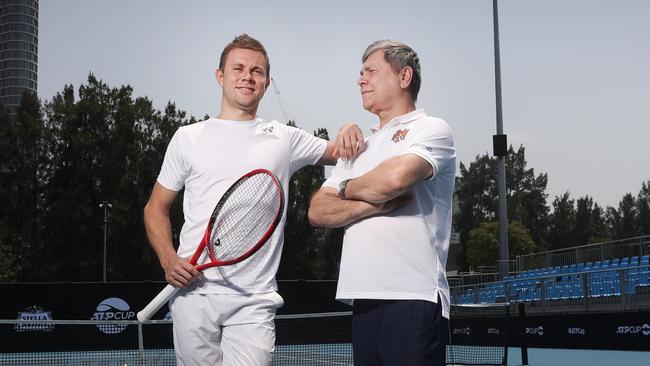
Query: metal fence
630	247
564	290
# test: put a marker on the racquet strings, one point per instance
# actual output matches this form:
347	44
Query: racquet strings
245	217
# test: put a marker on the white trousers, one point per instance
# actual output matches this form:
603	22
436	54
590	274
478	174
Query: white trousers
228	330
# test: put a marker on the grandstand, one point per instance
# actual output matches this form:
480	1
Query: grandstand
605	276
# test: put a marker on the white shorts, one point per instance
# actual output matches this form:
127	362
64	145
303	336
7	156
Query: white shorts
229	330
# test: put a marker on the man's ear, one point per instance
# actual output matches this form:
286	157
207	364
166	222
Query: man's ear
406	76
219	75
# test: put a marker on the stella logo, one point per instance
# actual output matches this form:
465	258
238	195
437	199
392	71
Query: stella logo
400	135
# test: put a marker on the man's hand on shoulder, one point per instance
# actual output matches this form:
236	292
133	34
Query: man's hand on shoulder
349	142
348	145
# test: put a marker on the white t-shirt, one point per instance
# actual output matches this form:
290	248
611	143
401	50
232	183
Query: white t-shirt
207	158
402	254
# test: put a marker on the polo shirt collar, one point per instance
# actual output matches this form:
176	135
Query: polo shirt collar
405	118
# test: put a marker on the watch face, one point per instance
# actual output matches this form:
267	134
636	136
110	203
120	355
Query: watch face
342	186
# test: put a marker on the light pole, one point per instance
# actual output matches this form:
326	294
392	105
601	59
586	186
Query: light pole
106	206
500	146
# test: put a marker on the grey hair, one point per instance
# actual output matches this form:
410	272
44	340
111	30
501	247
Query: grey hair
398	55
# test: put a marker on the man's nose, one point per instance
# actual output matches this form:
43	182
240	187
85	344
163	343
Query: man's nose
247	75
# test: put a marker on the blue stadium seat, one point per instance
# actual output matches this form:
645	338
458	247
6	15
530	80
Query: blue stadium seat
573	268
616	289
595	285
564	269
625	262
644	277
566	290
631	275
578	291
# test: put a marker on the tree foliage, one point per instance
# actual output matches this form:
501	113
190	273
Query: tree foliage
565	223
309	253
65	157
483	243
477	197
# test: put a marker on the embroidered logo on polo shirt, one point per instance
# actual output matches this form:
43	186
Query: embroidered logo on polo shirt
423	146
266	129
400	135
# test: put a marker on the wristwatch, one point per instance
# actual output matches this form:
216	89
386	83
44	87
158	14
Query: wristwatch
342	185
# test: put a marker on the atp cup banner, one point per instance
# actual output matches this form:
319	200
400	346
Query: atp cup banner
80	301
37	304
114	301
622	331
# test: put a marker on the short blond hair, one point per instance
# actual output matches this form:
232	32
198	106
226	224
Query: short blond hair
247	42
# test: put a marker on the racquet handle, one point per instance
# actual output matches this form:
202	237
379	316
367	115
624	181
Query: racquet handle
157	303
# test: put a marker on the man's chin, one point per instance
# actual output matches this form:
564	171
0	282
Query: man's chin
248	104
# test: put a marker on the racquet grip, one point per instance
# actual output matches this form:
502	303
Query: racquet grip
156	303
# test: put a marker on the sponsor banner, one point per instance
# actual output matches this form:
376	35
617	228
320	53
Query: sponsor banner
113	308
121	301
115	301
31	313
479	331
576	331
78	301
535	331
621	330
634	329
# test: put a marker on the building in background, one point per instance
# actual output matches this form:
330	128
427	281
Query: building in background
18	50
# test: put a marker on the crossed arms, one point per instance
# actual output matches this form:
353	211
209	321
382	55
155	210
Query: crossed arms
380	190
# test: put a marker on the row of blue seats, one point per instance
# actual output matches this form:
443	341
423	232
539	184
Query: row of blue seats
567	282
585	267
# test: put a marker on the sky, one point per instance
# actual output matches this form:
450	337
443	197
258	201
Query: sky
575	74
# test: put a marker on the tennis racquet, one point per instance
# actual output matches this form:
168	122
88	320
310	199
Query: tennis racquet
241	223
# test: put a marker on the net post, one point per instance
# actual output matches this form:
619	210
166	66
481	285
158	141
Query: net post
522	327
141	345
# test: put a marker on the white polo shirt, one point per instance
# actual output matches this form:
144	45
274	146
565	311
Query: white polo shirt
402	254
207	158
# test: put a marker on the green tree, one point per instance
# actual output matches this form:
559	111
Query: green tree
586	228
562	222
105	146
623	221
483	243
9	266
24	162
309	253
477	198
601	232
475	192
643	209
527	196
